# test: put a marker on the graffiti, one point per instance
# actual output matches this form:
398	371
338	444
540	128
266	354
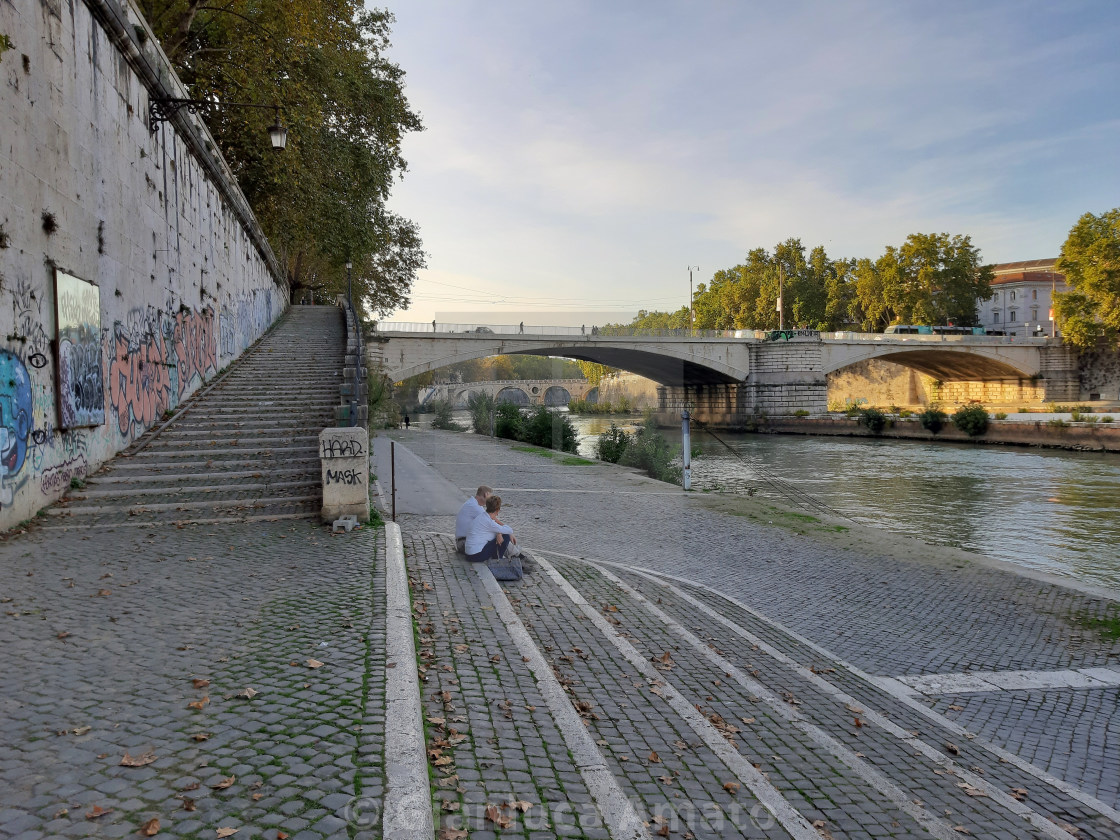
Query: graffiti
81	384
27	306
196	347
15	422
341	448
59	476
343	477
139	382
228	330
37	360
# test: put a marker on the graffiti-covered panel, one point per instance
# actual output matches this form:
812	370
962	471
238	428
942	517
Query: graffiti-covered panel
81	384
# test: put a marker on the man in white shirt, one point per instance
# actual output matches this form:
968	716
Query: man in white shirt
472	508
488	537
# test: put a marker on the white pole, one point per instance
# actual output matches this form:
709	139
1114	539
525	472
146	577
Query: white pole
686	450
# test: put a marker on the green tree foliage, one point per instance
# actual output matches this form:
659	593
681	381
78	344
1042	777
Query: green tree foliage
929	279
323	200
971	419
649	450
594	372
1090	260
482	412
442	416
537	426
611	444
933	420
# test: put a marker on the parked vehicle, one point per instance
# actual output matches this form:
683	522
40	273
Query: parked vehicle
922	329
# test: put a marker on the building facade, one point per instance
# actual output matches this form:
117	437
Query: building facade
1022	299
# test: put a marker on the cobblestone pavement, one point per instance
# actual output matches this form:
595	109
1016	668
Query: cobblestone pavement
883	615
150	644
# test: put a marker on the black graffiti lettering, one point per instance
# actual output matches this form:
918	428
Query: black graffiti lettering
343	477
37	360
341	448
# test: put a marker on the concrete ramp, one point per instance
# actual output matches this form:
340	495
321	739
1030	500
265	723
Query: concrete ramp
420	489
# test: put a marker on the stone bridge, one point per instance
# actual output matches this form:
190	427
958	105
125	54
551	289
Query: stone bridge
551	392
727	376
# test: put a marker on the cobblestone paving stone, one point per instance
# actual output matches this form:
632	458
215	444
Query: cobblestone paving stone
674	779
491	738
103	637
937	789
887	615
1074	734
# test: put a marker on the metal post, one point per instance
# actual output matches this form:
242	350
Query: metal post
393	476
686	449
781	314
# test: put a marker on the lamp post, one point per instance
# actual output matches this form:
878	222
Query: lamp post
349	286
691	298
781	314
163	108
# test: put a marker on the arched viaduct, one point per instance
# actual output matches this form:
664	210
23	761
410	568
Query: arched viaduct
551	392
727	377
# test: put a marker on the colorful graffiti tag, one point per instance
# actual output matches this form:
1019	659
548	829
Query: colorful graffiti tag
15	422
141	385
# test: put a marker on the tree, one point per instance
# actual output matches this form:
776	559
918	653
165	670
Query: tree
323	201
1090	260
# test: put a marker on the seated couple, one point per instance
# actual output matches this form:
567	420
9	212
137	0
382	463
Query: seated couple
479	533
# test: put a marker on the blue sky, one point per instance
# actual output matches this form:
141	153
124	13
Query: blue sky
580	155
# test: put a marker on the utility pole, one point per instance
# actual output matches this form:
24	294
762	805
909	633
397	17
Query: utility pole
781	314
691	298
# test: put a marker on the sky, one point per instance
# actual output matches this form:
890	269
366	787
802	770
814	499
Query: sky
579	156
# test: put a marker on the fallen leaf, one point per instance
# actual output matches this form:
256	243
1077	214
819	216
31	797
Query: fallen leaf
280	835
63	635
731	787
953	748
200	683
442	761
663	831
150	828
104	592
138	760
81	730
857	722
654	757
961	829
226	832
436	721
188	803
248	693
314	663
451	834
201	736
1019	793
198	704
495	815
971	790
461	648
450	805
97	811
257	797
191	786
521	805
496	658
224	783
747	720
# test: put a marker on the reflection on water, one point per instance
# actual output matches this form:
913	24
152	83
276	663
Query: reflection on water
1051	510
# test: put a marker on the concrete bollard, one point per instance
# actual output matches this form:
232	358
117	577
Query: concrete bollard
344	455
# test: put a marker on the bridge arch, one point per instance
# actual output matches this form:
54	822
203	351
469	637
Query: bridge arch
557	395
937	360
512	395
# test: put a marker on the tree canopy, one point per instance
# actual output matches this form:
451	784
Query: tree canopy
323	200
929	279
1090	260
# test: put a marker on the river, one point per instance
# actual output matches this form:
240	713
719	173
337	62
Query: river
1055	511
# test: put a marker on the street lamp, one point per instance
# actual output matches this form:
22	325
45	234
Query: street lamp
691	328
349	294
163	108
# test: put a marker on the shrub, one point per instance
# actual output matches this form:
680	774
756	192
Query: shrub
1023	410
972	420
442	416
1090	418
1058	409
801	412
873	419
893	409
650	451
1057	423
933	420
1107	418
905	413
1083	409
549	429
508	421
482	412
1001	415
611	444
1076	416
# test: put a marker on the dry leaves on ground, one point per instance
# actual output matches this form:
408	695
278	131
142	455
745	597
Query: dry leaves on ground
199	704
314	663
495	815
138	760
654	757
731	787
150	828
200	683
224	783
451	834
971	790
953	748
226	832
97	811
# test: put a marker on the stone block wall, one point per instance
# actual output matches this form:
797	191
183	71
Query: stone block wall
174	279
1099	373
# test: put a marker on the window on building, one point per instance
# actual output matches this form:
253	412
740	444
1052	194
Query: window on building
1013	317
1034	294
995	317
1013	297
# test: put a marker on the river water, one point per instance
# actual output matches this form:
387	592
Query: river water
1051	510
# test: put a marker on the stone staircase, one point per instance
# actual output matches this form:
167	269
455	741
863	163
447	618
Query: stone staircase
244	448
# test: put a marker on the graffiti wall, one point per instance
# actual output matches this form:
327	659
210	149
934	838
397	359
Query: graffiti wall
130	274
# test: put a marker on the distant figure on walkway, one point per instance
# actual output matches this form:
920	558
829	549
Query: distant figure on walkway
472	508
433	324
488	537
407	421
583	329
521	329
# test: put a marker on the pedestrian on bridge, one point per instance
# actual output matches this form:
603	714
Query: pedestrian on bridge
521	329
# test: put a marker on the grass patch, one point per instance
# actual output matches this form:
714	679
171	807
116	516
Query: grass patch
575	461
375	520
535	450
1107	625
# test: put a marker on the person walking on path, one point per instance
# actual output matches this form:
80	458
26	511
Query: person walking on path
407	421
488	537
521	329
472	508
433	324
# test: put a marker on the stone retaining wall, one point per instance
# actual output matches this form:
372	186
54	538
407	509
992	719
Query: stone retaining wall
131	268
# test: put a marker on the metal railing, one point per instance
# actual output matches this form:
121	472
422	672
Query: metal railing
354	343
